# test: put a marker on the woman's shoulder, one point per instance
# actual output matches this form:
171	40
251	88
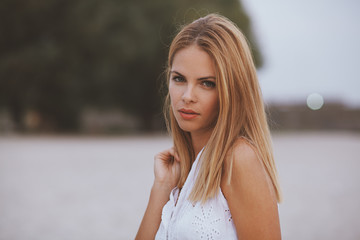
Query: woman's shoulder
242	164
249	192
242	152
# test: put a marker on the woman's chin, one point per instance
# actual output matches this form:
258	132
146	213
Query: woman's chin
186	128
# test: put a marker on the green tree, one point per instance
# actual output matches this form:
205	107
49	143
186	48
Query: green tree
57	57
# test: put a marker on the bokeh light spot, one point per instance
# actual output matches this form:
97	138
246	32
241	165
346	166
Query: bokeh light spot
315	101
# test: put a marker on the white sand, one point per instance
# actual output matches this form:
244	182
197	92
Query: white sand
97	188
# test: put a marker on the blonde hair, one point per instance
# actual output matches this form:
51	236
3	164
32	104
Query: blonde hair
241	109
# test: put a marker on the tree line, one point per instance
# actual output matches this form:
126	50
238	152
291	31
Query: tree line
59	57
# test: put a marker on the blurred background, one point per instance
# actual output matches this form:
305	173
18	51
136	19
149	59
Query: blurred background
81	92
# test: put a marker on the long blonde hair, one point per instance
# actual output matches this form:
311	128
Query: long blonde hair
241	109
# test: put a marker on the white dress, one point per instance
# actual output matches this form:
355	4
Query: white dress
184	220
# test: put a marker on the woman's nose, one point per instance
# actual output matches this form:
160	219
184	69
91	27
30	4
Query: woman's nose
189	94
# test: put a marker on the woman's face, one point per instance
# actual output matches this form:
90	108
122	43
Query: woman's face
193	92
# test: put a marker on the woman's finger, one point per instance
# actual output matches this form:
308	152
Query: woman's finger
172	151
176	156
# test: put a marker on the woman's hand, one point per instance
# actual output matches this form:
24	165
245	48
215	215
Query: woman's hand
167	173
167	169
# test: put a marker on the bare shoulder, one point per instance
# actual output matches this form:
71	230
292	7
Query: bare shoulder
244	170
243	151
250	193
243	159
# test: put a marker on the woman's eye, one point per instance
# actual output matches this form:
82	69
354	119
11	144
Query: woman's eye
178	79
208	84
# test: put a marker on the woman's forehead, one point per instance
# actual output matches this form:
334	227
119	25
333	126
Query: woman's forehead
193	60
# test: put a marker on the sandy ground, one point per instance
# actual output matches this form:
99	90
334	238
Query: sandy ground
92	188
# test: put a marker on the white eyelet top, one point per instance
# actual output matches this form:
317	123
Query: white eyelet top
182	220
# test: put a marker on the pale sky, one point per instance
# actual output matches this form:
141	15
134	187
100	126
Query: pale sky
309	46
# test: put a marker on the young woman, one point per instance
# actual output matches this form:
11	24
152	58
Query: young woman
219	181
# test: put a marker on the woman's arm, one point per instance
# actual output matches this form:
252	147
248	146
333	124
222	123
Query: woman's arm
167	172
151	221
250	195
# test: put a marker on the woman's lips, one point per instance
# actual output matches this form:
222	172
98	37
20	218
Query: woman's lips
188	114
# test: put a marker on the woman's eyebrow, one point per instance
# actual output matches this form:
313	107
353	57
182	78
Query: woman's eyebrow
200	79
177	73
209	77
